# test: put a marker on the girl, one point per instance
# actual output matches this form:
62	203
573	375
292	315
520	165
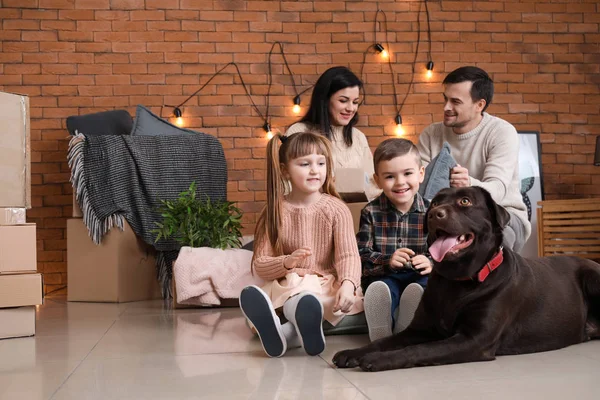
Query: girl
333	113
305	246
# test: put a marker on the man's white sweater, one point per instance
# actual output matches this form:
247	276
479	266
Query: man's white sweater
490	152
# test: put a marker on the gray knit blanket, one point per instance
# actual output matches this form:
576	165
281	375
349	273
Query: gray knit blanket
116	177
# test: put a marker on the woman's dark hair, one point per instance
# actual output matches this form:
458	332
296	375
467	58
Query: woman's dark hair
331	81
482	88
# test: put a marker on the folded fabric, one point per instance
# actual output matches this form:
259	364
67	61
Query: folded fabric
437	173
204	275
115	122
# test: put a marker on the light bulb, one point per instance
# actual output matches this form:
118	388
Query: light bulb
296	109
178	119
384	54
267	129
429	69
399	131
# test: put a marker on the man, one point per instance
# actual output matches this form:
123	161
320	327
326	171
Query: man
485	147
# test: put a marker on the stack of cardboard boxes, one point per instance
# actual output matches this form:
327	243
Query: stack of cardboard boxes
20	285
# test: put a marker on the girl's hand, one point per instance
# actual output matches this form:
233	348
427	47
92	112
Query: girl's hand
296	257
344	299
400	258
422	264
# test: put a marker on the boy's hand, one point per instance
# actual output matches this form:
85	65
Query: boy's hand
296	257
400	258
344	299
422	264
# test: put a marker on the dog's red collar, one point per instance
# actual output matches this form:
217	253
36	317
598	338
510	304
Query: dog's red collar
488	267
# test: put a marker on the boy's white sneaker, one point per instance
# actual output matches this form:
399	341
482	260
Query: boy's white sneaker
409	302
378	310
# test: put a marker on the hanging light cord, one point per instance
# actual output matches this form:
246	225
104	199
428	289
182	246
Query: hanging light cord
270	76
241	80
428	28
412	75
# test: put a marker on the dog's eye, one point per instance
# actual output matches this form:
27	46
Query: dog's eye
433	204
464	202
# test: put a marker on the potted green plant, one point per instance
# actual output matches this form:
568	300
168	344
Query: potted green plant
196	222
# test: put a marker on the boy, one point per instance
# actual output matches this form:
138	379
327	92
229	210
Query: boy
391	240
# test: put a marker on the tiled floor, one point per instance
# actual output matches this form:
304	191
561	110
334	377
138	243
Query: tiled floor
146	351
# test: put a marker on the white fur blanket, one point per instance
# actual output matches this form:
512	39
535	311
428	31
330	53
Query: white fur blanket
204	276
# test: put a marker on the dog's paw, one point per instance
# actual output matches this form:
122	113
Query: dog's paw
346	359
374	362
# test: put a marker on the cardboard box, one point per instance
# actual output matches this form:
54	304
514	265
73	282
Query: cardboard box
355	209
18	251
15	161
12	216
76	209
17	322
17	290
350	184
120	269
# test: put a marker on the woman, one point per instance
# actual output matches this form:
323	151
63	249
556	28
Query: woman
333	113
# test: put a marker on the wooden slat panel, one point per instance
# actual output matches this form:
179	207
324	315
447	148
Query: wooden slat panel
573	207
593	228
560	235
566	201
571	242
540	231
591	256
556	216
571	222
572	249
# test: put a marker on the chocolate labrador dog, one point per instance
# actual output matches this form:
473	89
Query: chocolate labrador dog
482	300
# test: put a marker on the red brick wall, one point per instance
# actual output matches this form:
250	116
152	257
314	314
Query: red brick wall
82	56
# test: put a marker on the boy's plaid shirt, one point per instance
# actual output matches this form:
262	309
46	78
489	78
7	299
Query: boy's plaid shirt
384	229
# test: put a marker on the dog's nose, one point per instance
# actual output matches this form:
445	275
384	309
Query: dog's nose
440	213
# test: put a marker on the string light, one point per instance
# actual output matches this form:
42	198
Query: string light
377	46
296	109
399	129
267	129
430	62
429	69
178	118
381	50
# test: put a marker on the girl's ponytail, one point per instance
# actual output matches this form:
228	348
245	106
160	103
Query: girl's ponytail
267	226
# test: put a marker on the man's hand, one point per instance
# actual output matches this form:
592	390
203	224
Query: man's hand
422	264
344	299
459	177
296	257
400	258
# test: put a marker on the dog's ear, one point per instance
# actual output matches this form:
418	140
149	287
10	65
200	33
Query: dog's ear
502	216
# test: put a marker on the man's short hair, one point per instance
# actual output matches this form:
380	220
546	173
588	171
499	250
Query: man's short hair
483	86
392	148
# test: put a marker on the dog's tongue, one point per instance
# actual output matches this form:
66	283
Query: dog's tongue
440	247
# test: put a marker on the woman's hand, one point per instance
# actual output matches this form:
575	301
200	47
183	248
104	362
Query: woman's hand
344	299
422	264
296	257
